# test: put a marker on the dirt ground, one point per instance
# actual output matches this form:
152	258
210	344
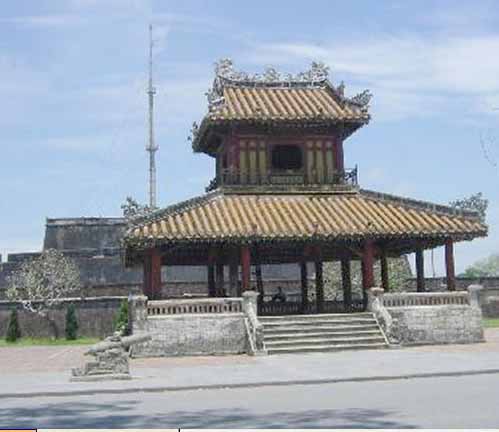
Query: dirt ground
63	358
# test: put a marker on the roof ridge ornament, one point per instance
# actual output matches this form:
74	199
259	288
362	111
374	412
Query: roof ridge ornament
317	76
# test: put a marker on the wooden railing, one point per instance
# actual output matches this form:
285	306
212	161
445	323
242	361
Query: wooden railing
231	176
426	299
194	306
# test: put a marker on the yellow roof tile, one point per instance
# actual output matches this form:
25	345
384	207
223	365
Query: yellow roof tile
263	217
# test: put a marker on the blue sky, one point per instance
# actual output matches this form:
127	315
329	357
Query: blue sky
73	76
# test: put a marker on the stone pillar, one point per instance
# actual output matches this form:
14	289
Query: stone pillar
250	301
245	267
474	293
385	277
420	282
304	286
319	286
137	313
449	265
373	294
212	291
219	271
152	274
346	282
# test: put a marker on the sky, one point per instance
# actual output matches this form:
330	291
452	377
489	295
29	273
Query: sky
73	79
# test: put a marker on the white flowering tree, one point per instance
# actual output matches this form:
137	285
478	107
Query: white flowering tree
42	282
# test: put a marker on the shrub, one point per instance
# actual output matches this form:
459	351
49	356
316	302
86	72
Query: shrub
121	320
71	323
13	329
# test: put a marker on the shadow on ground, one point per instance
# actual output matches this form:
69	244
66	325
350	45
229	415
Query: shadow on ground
122	414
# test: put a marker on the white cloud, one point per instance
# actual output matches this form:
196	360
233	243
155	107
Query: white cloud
409	75
46	21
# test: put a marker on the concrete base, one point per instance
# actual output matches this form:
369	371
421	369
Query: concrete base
103	377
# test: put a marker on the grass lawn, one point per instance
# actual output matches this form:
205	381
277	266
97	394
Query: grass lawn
491	322
47	341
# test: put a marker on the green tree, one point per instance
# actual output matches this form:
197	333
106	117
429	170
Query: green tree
121	320
13	329
71	323
483	268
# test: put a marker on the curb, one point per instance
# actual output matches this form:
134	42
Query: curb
161	389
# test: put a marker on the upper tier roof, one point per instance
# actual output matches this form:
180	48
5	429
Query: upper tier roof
307	98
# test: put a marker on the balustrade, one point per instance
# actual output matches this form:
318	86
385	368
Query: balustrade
194	306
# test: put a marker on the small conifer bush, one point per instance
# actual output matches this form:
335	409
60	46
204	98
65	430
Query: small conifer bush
71	323
121	320
13	329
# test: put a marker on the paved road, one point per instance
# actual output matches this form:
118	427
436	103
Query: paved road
451	402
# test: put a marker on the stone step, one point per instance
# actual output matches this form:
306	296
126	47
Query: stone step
295	323
313	317
325	348
269	337
323	328
350	340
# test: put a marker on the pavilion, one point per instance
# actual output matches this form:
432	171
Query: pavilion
282	194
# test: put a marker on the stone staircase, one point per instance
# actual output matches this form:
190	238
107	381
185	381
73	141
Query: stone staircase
321	333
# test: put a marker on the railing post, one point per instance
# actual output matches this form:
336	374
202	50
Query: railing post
250	299
474	294
137	313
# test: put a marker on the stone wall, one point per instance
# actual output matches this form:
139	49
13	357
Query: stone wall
95	317
450	324
193	334
435	318
180	333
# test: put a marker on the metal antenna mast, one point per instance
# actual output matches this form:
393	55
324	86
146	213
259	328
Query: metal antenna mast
151	147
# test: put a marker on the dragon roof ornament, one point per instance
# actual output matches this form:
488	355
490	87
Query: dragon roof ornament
316	76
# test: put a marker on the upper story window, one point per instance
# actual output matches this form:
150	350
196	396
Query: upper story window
287	157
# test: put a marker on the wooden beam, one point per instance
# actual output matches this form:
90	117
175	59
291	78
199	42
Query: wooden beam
346	281
304	286
449	265
420	282
245	267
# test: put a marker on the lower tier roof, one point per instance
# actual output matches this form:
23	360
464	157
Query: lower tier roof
239	218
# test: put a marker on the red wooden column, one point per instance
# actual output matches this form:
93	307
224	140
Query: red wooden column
385	277
245	267
319	286
449	265
368	265
420	282
152	274
220	283
304	285
346	282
